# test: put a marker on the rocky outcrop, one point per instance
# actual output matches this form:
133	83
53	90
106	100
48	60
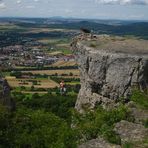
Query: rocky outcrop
5	97
98	143
140	115
109	68
132	132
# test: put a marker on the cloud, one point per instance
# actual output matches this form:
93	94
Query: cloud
2	6
18	1
123	2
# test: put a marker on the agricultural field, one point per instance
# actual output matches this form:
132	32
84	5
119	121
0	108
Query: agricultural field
59	72
43	51
41	81
36	83
64	63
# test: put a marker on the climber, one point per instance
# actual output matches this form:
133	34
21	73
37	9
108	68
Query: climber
62	88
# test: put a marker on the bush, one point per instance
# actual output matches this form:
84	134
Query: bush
145	122
41	129
17	74
59	105
34	129
100	122
5	134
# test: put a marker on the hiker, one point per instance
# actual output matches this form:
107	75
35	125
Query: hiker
62	88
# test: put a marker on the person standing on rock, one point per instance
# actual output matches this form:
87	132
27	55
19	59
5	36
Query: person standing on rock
62	88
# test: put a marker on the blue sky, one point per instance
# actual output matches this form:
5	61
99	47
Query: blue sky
99	9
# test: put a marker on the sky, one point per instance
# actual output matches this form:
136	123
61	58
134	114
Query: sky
93	9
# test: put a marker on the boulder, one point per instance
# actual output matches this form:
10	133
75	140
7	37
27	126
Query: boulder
131	132
98	143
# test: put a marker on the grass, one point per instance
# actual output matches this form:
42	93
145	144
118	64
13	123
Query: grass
53	41
65	51
140	98
22	67
10	27
73	82
92	124
64	63
6	74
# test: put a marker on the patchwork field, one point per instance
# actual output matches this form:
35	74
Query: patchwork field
45	83
64	63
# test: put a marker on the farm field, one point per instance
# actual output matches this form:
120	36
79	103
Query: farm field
64	63
49	42
34	92
44	83
63	72
38	30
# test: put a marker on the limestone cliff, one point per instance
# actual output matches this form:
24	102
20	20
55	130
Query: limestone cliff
5	97
109	68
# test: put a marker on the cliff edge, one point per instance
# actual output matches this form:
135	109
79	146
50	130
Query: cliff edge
5	96
110	67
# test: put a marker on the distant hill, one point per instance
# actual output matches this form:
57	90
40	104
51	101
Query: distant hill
115	27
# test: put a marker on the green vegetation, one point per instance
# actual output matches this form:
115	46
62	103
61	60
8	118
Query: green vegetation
34	128
136	144
101	122
93	45
59	105
141	99
146	123
49	120
44	121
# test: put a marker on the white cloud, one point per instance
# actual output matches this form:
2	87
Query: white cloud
123	2
18	1
2	6
36	0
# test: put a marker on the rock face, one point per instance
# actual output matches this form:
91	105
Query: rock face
109	68
5	97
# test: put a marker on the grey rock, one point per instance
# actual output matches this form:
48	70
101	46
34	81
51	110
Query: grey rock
109	75
98	143
5	97
129	131
140	115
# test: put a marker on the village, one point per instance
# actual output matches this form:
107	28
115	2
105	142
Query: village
33	67
18	55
